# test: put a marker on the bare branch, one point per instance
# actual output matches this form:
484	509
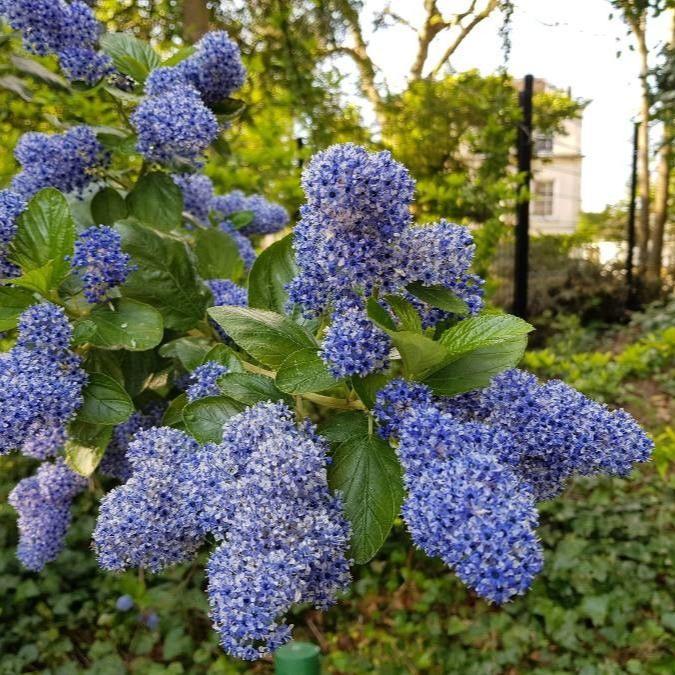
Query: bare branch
465	30
433	25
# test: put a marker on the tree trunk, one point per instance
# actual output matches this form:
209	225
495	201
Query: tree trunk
639	29
195	20
661	199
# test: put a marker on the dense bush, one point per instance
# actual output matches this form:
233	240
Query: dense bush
267	418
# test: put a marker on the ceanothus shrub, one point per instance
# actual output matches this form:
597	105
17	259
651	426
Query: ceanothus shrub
244	403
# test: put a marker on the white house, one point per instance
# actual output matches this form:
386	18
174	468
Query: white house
556	177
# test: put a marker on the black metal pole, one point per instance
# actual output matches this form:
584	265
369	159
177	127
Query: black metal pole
524	141
630	281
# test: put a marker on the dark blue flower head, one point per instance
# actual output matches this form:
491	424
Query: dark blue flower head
197	194
203	380
246	251
43	503
115	462
12	205
82	64
40	381
151	520
65	161
396	401
353	344
215	69
268	217
99	261
174	126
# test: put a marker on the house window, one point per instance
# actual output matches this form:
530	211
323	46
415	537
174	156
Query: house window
543	144
542	204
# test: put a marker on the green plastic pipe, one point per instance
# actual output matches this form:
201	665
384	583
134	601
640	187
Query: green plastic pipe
297	658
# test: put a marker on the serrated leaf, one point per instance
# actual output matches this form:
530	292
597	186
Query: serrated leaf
440	297
205	417
273	269
420	354
482	331
130	55
173	416
343	426
156	201
266	336
164	277
367	474
44	238
105	401
304	371
128	324
250	388
407	315
477	368
225	356
86	446
217	255
190	351
379	315
107	207
13	302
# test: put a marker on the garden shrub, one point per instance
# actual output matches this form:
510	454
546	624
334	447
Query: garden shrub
349	376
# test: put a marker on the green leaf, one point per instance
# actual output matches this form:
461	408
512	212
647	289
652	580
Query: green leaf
225	356
217	255
143	370
86	446
406	313
266	336
483	331
128	324
476	369
420	354
190	351
165	277
273	269
367	474
130	55
379	315
180	55
39	280
229	107
343	426
13	302
241	219
173	416
304	371
249	389
44	238
156	201
439	296
205	417
105	401
16	86
108	206
367	387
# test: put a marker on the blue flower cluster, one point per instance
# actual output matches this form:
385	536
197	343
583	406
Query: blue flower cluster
43	503
66	161
353	345
476	464
40	383
174	126
357	207
204	380
356	236
262	492
226	292
197	192
215	70
268	217
12	205
99	261
44	441
557	432
246	251
114	462
56	27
